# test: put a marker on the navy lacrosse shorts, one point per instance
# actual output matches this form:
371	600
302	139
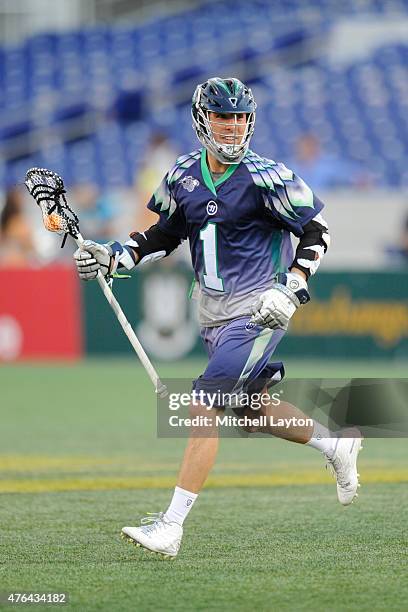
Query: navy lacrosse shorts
239	359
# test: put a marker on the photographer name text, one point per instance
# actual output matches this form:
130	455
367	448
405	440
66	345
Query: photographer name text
236	421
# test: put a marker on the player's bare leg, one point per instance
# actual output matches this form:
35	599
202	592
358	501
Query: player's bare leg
286	411
200	453
162	532
340	452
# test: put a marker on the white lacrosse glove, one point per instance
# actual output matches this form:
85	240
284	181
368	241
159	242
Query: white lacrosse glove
275	307
93	256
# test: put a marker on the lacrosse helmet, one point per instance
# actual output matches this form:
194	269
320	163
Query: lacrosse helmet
223	96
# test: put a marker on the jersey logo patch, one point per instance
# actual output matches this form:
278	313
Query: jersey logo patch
189	183
212	207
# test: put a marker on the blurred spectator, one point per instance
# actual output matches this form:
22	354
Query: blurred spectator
398	251
16	239
322	170
160	158
404	240
97	211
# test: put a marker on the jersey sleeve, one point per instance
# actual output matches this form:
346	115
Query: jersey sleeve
171	218
288	201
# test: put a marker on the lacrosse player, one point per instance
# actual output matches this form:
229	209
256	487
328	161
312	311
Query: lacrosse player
237	210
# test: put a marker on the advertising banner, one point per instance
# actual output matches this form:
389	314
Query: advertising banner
358	315
40	314
352	315
155	301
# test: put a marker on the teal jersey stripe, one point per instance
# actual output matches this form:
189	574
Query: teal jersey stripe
258	349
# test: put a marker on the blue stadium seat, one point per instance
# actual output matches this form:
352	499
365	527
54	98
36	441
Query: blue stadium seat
358	112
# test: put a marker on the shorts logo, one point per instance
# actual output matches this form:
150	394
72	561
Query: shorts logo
189	183
212	207
249	326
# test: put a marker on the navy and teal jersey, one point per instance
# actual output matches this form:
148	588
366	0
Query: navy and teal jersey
238	228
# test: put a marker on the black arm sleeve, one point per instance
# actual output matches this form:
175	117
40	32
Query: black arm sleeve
152	244
312	245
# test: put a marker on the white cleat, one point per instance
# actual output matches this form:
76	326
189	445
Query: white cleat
156	534
343	465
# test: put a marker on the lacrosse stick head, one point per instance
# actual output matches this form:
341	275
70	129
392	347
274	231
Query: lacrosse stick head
47	188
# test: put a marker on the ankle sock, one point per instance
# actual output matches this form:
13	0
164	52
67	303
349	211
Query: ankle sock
323	439
180	505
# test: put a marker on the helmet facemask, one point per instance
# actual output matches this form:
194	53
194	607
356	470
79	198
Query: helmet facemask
228	142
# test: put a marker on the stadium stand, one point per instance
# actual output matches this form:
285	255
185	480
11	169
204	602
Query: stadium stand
85	102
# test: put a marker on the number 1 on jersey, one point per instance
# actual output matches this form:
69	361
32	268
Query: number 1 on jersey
209	237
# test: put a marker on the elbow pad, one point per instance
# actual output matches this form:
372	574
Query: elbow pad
152	244
312	246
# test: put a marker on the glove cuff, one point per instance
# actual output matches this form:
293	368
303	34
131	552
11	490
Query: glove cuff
122	256
295	287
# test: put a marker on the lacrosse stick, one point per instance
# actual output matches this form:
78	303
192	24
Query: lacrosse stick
47	188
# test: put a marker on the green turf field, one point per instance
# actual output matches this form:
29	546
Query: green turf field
79	459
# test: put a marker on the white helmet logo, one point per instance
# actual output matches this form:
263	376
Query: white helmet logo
233	101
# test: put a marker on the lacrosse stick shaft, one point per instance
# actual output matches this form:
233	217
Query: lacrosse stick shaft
127	328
